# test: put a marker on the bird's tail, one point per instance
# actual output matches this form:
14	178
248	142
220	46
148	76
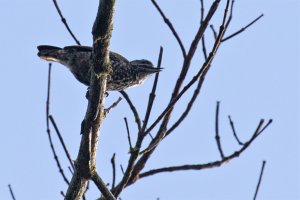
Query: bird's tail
49	53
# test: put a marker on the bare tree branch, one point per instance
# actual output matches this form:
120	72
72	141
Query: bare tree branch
133	109
113	164
170	25
176	94
11	192
214	31
217	163
152	95
202	10
217	137
85	166
187	61
259	180
61	171
266	126
48	95
71	170
198	88
128	134
64	21
122	170
230	16
234	132
135	151
188	108
61	141
242	29
107	110
102	186
203	38
201	73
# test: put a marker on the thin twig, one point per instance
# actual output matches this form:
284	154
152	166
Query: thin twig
203	38
266	126
188	108
48	95
11	192
217	137
242	29
133	109
201	73
214	31
48	128
71	170
191	52
128	134
234	132
199	85
64	21
62	194
61	171
151	136
152	94
225	16
113	164
176	95
107	110
202	11
217	163
170	25
230	15
122	169
61	141
260	178
135	151
186	66
204	47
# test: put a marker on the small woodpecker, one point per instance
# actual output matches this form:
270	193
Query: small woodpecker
78	59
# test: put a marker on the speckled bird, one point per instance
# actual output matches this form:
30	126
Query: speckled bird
124	74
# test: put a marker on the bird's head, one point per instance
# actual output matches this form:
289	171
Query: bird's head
145	66
143	69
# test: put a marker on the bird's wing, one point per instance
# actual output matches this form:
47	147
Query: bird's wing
117	57
113	56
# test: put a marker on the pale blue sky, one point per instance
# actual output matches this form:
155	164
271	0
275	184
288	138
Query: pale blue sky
255	75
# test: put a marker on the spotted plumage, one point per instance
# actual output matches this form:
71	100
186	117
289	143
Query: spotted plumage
124	74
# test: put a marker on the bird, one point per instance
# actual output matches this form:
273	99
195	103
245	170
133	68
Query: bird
78	59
